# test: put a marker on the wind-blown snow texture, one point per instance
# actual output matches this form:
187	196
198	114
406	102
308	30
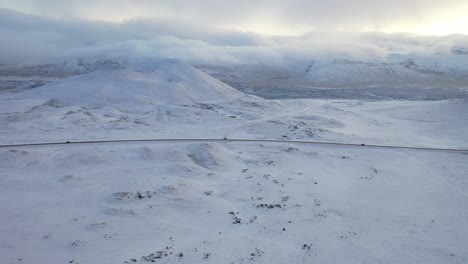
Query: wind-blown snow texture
226	202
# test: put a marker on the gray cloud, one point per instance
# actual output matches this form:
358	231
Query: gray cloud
37	38
309	14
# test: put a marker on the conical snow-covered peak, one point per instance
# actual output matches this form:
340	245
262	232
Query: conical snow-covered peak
153	82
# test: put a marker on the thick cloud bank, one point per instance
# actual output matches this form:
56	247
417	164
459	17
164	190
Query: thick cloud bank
34	38
271	15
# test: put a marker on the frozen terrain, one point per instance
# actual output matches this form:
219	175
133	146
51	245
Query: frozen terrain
223	201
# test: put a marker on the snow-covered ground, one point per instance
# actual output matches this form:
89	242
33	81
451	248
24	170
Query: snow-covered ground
226	202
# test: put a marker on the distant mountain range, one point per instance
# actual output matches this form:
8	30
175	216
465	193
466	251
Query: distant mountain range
397	70
450	70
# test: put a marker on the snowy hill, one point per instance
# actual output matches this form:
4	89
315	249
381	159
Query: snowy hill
149	83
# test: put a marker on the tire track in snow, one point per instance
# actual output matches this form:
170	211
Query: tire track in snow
451	185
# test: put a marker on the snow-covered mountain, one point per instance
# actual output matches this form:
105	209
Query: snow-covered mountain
398	69
154	82
403	70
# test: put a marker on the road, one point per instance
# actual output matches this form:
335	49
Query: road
219	140
228	138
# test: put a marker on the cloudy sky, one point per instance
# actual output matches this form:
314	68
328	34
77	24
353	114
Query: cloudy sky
228	31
